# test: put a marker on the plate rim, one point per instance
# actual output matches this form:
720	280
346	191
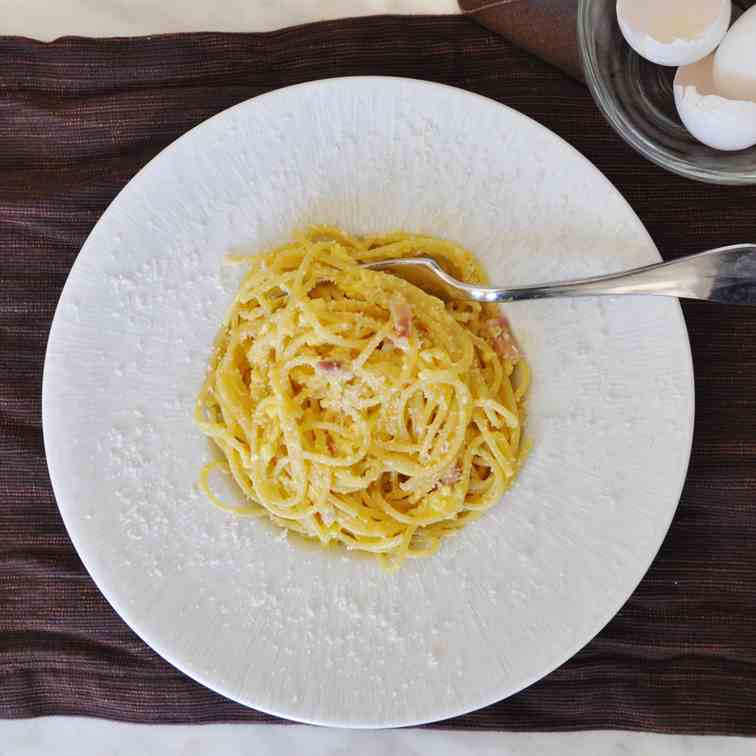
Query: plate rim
123	611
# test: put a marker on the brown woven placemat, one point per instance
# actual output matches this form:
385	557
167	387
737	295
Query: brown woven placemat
79	117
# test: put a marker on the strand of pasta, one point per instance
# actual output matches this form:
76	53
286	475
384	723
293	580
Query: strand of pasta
352	407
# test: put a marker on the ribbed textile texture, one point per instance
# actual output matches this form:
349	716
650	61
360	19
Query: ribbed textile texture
79	117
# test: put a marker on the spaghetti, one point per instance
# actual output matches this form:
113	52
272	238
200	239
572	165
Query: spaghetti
354	408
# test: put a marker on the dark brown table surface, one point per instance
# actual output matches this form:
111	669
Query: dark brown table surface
79	117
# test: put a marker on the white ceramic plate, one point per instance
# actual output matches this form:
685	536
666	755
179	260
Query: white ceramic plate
331	639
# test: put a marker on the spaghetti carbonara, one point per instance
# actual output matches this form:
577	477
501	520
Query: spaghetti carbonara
354	408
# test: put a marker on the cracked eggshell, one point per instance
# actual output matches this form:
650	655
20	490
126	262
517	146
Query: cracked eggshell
735	60
716	121
674	32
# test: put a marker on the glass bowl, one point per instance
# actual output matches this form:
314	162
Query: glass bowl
637	99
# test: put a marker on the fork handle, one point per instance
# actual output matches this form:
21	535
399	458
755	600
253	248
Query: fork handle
726	275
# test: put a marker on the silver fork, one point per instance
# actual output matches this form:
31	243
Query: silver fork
727	275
